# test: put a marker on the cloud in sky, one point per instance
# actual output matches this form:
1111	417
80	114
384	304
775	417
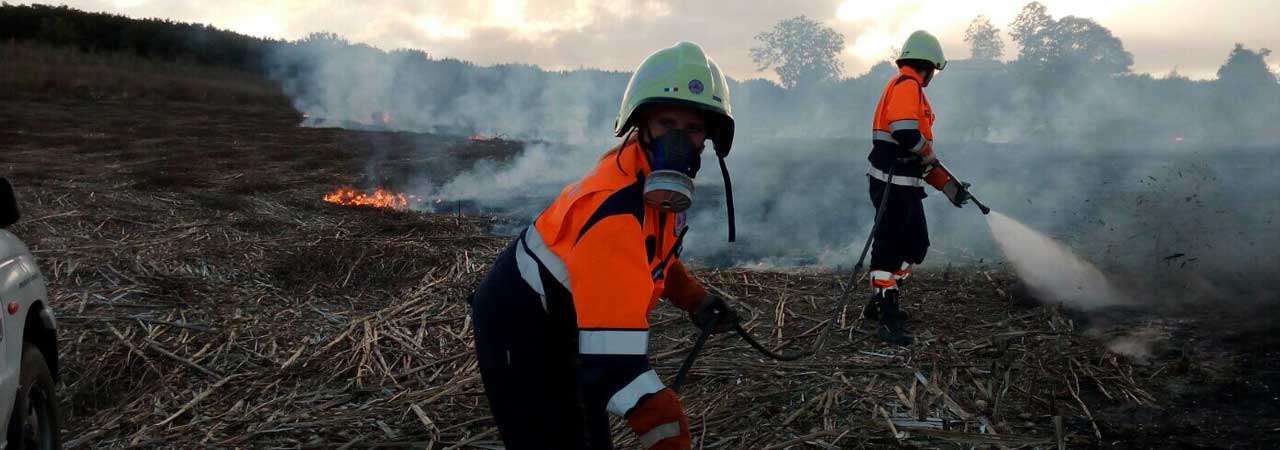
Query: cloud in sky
1193	36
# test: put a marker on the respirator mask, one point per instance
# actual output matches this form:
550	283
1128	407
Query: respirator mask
675	161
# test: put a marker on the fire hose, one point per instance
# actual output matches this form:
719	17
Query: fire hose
817	346
710	324
705	332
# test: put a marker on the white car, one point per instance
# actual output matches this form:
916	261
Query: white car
28	343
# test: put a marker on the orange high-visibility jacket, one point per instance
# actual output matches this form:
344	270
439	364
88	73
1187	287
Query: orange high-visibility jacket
903	108
615	256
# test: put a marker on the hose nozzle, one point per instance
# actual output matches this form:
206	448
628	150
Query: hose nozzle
981	207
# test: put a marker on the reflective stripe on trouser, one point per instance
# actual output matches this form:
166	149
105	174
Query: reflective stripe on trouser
531	253
881	280
626	398
903	273
658	433
898	180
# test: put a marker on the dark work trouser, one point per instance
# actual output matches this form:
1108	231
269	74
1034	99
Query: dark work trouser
903	235
528	366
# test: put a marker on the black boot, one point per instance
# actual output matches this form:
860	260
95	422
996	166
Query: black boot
872	309
893	322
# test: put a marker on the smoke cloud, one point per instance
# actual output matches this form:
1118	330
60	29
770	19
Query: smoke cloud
1167	184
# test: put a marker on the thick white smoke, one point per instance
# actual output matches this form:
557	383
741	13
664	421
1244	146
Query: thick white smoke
1171	179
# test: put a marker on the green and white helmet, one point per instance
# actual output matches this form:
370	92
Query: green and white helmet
923	46
680	75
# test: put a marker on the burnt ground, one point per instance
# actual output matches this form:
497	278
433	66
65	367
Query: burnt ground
209	299
1219	367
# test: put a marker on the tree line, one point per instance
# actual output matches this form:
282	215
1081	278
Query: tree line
160	39
1071	82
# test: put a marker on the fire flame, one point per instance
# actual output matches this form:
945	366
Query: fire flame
379	198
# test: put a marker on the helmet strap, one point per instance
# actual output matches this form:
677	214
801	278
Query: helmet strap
728	198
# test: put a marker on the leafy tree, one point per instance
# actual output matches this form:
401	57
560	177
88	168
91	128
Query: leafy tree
1080	44
1247	67
1245	96
801	51
1069	45
324	38
1027	29
984	39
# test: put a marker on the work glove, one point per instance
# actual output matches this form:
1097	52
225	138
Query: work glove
661	422
957	192
713	306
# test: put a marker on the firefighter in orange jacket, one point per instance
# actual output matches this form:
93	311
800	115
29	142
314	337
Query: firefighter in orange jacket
902	145
561	328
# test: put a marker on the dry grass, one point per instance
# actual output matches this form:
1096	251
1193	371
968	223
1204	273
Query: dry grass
209	299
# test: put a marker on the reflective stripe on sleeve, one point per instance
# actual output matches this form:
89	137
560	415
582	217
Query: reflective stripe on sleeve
905	124
613	342
898	180
627	397
658	433
529	271
553	263
919	145
881	135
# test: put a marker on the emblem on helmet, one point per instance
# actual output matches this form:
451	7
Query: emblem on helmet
695	86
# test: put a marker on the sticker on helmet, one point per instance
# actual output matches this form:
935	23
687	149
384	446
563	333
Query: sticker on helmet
695	86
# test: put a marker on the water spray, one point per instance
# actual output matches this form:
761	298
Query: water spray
1050	268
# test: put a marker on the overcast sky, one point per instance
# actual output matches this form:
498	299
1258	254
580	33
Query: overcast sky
1193	36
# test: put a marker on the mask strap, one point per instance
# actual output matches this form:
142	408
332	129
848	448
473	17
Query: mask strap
646	149
728	198
617	159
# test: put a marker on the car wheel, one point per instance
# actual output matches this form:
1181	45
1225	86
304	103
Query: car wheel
35	422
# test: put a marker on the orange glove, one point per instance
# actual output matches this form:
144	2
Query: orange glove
660	423
682	289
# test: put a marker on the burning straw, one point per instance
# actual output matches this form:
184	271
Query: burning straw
378	198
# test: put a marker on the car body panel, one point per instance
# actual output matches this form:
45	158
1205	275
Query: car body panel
20	282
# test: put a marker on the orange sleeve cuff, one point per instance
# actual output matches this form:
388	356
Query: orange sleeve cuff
682	288
660	419
937	177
